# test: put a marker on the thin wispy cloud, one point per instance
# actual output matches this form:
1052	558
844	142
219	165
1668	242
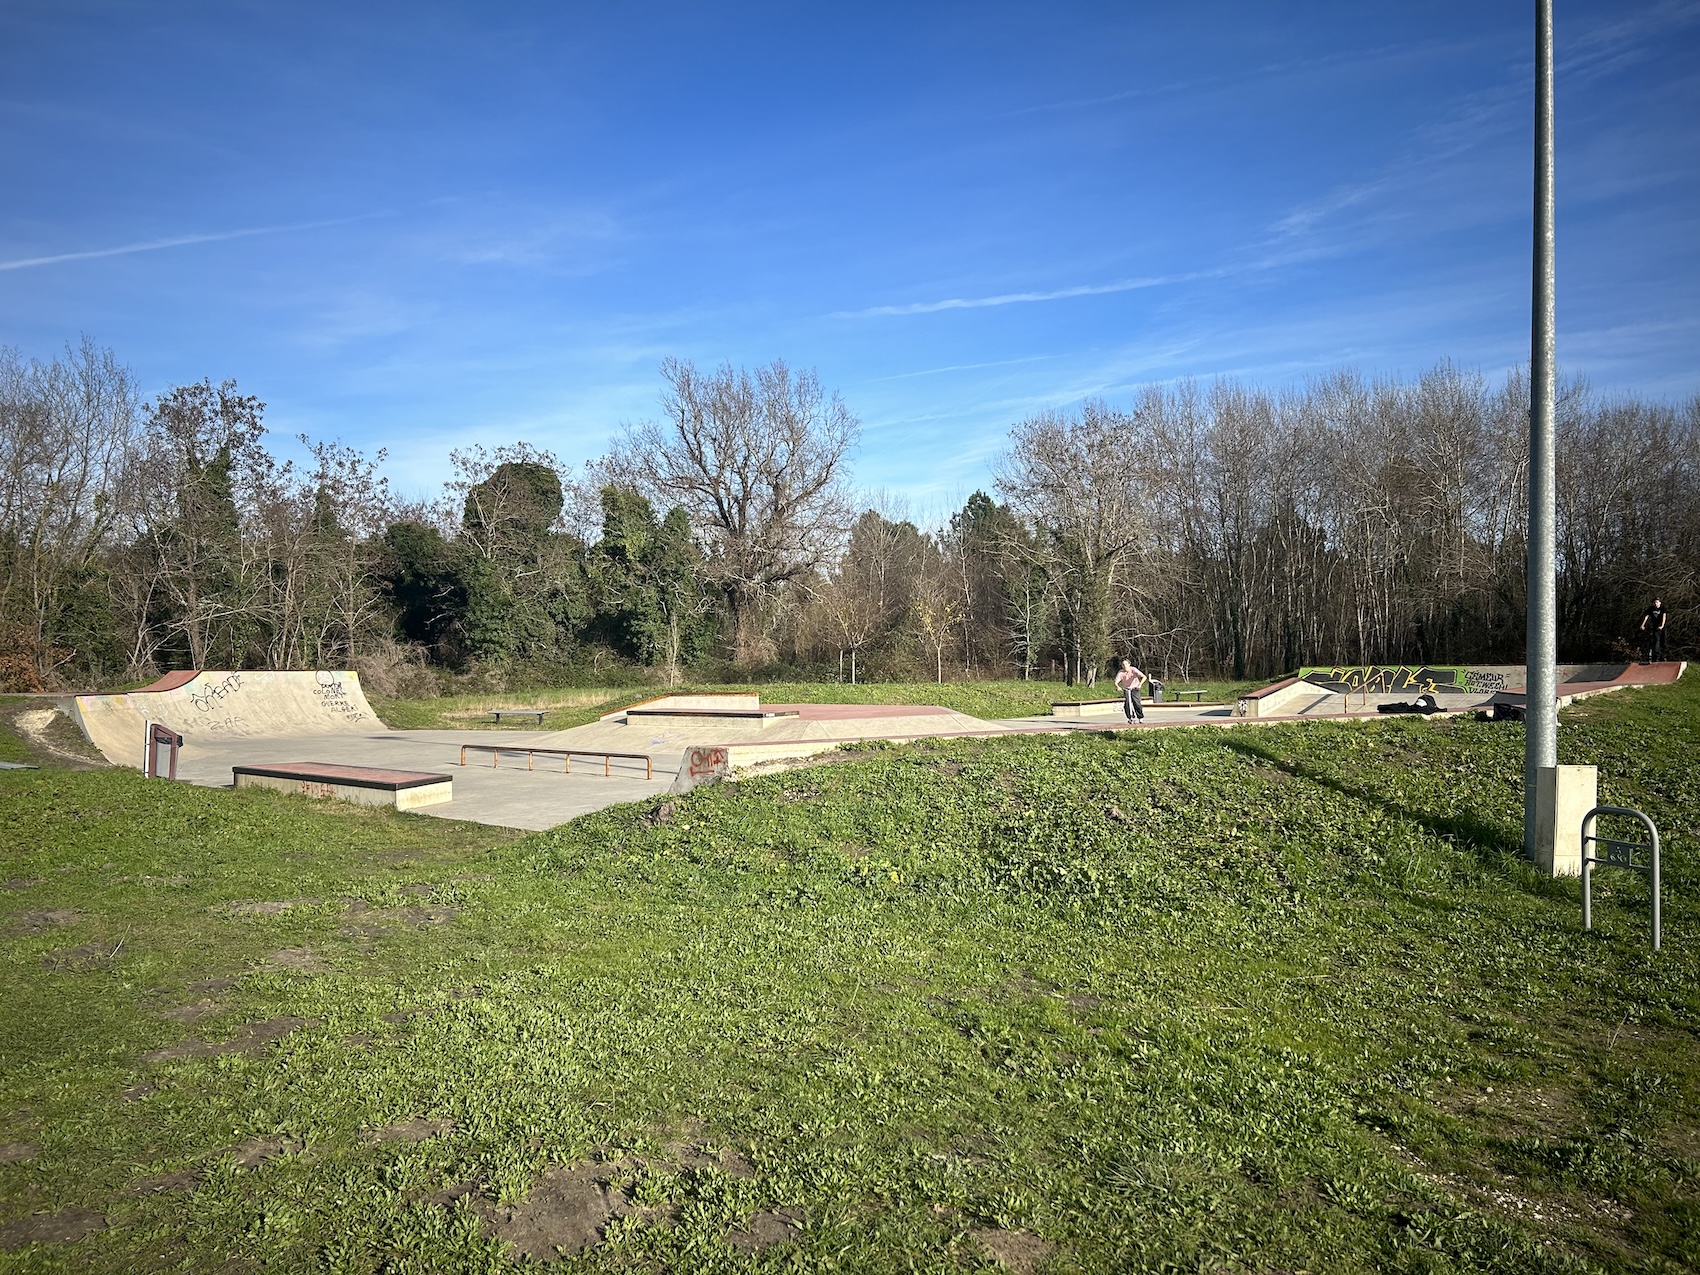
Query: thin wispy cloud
177	241
1612	46
1024	298
962	367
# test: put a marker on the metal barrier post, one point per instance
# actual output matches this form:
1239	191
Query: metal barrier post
1619	854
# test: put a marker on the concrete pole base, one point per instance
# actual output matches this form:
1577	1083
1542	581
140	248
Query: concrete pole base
1563	795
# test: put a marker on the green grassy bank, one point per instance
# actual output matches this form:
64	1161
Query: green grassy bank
1268	999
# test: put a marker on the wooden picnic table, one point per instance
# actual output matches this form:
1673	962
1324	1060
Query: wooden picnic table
500	713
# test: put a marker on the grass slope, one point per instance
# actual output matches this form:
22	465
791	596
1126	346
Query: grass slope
576	706
1276	998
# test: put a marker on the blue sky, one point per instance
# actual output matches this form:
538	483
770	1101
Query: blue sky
422	225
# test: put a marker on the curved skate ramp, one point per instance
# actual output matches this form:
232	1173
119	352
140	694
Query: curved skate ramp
206	707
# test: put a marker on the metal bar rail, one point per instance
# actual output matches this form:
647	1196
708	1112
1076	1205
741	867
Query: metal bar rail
1618	854
496	751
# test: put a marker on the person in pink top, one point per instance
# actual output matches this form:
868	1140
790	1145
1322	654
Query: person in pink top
1129	680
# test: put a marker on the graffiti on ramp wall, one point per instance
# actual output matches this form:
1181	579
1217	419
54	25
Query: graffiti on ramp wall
1398	679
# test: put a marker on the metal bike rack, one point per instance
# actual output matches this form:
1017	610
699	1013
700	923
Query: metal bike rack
1618	854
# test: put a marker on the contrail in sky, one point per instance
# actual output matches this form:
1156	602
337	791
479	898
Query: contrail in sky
23	263
1016	298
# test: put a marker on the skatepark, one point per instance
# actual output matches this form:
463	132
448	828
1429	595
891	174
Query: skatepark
316	733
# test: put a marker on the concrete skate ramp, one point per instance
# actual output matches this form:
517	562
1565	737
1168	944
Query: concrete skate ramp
210	707
790	730
1583	681
1290	696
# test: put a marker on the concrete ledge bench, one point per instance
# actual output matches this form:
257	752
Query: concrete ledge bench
758	716
363	785
1086	709
1181	692
499	713
1279	698
1074	710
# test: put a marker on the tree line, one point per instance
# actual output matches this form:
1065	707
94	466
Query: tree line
1203	529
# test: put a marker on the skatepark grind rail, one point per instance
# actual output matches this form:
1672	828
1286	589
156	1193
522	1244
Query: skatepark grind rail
496	751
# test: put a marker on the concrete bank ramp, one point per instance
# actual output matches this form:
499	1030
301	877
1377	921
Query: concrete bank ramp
210	707
761	732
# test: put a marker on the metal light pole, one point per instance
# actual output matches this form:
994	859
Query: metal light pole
1541	675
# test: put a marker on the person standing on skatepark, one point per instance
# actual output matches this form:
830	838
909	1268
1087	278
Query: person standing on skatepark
1130	680
1653	625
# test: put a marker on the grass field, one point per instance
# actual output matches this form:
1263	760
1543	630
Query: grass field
1269	999
576	706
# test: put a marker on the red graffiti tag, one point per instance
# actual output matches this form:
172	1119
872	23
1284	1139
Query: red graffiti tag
704	762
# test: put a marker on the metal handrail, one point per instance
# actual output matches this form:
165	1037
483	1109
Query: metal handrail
1619	854
496	751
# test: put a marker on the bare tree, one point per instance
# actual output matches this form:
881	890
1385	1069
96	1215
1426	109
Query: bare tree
67	456
937	605
1075	481
757	460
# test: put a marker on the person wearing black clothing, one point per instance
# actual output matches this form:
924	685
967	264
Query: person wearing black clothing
1653	625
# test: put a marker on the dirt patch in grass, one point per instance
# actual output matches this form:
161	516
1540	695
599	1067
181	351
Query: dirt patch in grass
66	1226
445	1197
194	1011
1513	1111
301	960
87	956
696	1156
370	922
1019	1251
20	883
18	1152
165	1183
690	1149
249	1039
416	1130
767	1228
41	922
51	737
256	1151
566	1211
275	907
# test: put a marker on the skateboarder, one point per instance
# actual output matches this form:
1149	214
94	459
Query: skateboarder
1130	680
1653	625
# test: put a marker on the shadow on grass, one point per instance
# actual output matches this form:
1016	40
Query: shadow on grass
1489	841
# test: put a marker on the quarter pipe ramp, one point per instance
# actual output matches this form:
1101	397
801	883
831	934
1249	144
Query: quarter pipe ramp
207	707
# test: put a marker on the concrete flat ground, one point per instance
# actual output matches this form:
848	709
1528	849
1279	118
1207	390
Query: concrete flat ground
509	796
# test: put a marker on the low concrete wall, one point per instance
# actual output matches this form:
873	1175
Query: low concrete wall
1084	710
706	716
736	702
754	754
1280	700
403	799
